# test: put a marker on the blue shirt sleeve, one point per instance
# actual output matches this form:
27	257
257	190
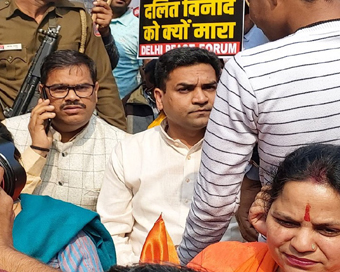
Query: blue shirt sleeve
79	255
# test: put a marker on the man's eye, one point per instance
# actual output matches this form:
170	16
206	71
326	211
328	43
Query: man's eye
183	90
210	88
81	88
60	88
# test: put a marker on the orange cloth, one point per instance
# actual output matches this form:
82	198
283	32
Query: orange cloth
158	120
235	257
158	246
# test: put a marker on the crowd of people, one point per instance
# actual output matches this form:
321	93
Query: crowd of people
240	158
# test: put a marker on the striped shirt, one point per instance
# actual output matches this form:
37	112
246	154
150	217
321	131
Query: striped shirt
283	95
79	255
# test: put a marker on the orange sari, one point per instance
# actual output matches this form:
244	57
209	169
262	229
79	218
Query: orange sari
235	257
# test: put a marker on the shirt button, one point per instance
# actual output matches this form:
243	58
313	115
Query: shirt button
186	201
188	180
60	183
189	157
7	3
10	58
64	154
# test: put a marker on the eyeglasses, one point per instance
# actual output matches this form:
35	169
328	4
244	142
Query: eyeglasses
61	91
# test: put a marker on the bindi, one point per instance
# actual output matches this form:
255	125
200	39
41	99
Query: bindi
307	213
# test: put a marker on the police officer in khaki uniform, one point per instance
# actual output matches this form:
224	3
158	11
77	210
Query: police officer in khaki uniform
20	21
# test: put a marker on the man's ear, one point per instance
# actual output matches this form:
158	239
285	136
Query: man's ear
96	88
40	89
158	93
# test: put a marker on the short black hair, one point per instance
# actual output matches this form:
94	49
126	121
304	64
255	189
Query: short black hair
183	56
148	267
150	70
66	58
320	162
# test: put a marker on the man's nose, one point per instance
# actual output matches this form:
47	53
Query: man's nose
200	96
71	95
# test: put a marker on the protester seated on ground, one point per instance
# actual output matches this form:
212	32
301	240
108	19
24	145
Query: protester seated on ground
60	234
153	172
301	221
70	156
140	105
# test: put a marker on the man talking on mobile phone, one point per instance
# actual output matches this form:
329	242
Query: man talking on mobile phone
69	161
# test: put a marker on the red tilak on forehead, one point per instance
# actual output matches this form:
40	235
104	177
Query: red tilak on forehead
307	214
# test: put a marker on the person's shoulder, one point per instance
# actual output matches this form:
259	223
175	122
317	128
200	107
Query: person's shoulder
266	51
133	20
66	4
143	138
101	124
18	121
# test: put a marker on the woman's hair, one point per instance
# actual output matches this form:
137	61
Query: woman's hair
318	162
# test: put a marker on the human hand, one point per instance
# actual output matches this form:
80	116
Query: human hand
36	126
258	210
101	16
6	217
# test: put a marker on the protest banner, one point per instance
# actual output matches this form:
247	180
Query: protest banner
216	25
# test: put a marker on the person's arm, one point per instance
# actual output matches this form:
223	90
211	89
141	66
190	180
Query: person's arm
79	255
109	105
33	159
249	189
102	15
115	207
11	259
33	164
229	140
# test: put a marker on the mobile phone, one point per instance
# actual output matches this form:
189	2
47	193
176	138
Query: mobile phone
49	120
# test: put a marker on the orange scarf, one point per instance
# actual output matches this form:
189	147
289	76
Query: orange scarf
158	246
158	120
235	257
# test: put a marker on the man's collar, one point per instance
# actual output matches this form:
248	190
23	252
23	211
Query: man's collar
12	7
124	19
79	135
176	142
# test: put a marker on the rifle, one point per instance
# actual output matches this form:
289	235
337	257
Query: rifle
32	78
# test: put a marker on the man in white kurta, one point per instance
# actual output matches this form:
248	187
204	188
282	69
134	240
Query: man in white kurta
153	172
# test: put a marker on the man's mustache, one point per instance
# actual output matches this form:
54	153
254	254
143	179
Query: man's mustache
72	103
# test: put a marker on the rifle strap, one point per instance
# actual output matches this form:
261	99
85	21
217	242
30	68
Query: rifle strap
52	21
83	30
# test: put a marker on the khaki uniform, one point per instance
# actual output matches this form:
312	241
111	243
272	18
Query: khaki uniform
18	28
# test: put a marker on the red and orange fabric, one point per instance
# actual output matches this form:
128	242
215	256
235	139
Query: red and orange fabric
235	257
158	246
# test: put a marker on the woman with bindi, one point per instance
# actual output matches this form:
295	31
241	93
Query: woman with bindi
300	218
